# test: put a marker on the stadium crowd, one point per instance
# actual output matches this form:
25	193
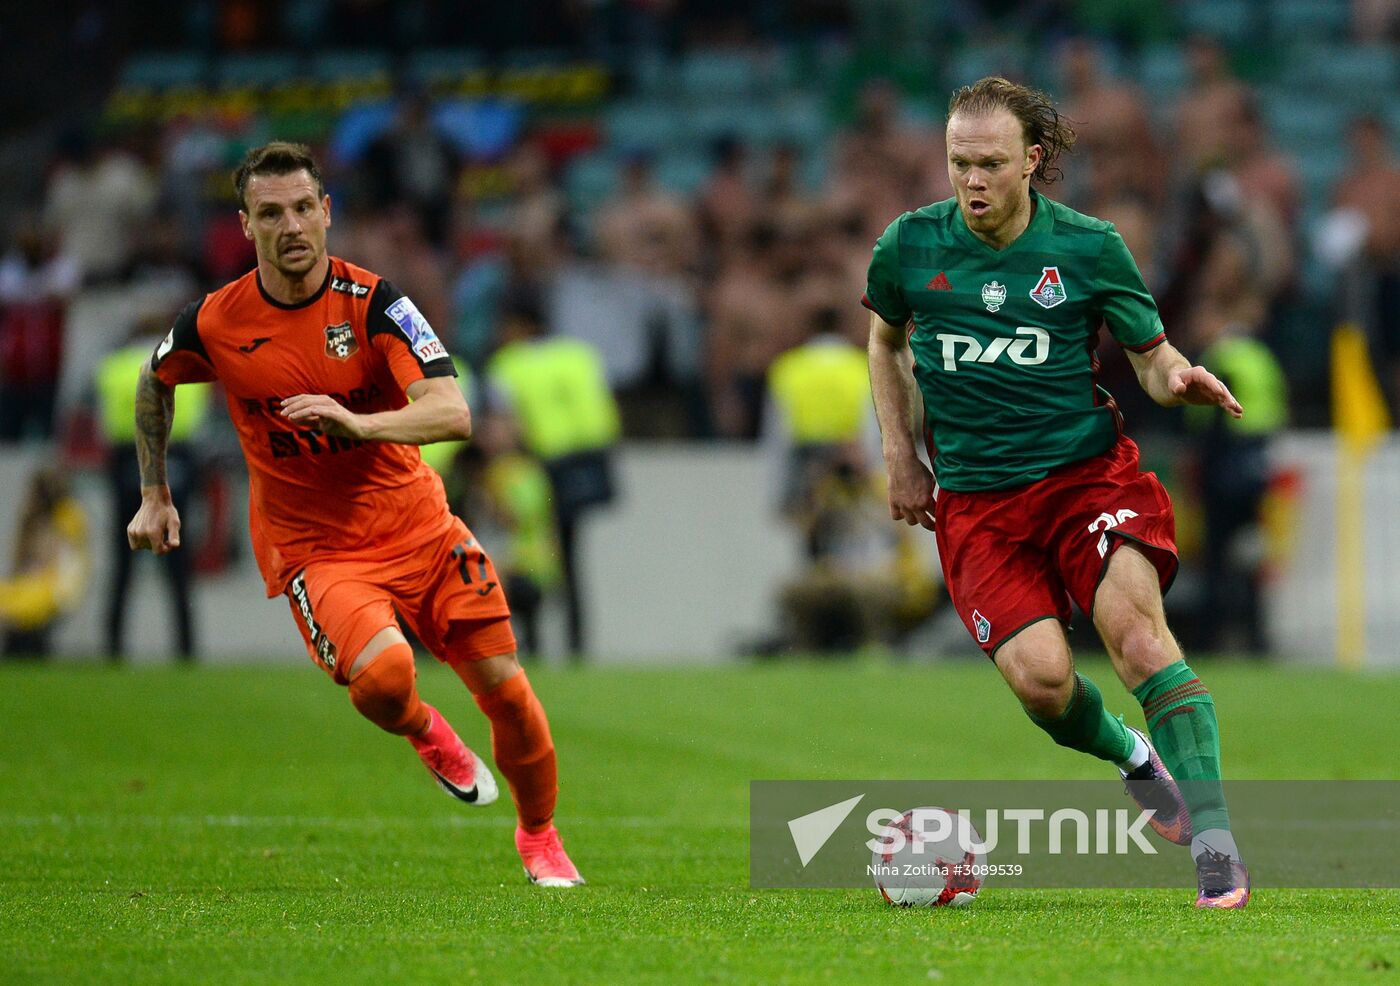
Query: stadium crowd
690	284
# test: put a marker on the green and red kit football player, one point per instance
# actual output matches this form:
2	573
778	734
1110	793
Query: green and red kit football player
988	307
334	379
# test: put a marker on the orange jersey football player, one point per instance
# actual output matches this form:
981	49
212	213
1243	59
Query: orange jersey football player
333	380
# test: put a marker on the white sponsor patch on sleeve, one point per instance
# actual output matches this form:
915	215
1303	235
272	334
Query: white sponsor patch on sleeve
421	337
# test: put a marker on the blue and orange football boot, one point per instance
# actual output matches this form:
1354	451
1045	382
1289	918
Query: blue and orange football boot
1222	881
1153	787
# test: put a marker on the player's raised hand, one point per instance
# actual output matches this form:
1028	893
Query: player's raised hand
156	526
1197	385
911	492
323	413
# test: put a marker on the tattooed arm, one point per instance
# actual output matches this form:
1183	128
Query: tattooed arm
157	524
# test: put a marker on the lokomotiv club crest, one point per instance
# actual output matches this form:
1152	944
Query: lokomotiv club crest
1050	290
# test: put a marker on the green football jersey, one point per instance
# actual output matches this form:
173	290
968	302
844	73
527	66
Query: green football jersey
1004	340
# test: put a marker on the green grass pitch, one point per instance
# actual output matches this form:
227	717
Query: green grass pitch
246	826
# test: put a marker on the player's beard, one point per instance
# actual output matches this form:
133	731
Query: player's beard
989	219
296	264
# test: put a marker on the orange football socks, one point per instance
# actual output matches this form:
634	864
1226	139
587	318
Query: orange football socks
524	750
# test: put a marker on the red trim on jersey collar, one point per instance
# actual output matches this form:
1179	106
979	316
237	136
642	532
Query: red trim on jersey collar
257	278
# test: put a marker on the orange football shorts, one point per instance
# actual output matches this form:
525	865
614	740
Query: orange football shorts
446	591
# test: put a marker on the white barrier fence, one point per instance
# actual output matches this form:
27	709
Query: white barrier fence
684	568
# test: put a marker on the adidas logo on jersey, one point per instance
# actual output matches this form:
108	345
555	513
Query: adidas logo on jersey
939	283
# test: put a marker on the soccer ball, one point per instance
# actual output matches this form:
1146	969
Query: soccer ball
922	860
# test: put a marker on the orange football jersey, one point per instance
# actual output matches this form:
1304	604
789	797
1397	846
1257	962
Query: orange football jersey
357	339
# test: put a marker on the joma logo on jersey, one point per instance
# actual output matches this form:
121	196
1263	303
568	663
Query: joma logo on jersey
1032	348
1105	521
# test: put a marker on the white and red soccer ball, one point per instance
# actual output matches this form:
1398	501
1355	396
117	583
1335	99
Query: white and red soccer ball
929	857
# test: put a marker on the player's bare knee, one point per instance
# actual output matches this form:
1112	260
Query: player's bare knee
1043	696
1036	663
1043	688
484	675
1144	647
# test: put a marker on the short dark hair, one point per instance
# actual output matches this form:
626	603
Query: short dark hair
1041	123
280	157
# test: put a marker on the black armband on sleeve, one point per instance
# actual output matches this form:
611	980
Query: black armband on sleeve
393	315
183	336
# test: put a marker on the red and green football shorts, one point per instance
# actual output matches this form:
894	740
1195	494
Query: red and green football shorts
1014	557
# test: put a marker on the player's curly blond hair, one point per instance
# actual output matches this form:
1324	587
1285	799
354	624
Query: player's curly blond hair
1041	123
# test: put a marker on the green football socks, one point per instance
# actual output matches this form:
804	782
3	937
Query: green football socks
1086	726
1181	718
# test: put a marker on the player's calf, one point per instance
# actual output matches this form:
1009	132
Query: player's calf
523	748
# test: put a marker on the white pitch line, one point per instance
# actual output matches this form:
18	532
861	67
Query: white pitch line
312	822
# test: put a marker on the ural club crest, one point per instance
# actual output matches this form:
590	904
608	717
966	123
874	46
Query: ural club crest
983	625
993	295
341	343
1051	290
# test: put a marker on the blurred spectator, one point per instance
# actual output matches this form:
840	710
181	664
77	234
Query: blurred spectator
1114	132
193	152
1265	174
749	325
392	243
37	279
1362	235
537	213
412	164
727	207
509	493
1232	456
116	395
557	392
885	162
644	227
818	404
1215	205
98	199
50	566
865	582
1376	20
160	263
1207	111
785	202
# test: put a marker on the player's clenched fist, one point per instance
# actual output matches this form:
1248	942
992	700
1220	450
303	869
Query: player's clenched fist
156	526
911	493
